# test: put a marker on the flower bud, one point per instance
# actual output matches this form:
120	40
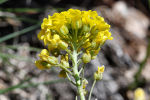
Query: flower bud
65	63
79	24
52	60
63	45
98	75
86	57
85	82
86	28
76	24
64	30
94	30
44	54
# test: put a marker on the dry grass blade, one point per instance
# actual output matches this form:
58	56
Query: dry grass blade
22	85
12	35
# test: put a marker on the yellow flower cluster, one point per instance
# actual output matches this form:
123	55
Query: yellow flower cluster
75	26
82	30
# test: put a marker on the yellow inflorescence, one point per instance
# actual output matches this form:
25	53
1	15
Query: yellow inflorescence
83	29
69	24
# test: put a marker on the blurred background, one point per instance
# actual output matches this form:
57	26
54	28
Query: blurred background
126	57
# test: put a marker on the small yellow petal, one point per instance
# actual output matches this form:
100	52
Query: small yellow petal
44	54
101	69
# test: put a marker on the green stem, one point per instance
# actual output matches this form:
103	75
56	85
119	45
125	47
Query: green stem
92	90
68	71
80	91
76	75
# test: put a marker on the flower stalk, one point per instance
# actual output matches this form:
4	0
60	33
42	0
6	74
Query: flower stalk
89	98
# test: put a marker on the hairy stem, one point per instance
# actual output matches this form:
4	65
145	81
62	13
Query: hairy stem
77	76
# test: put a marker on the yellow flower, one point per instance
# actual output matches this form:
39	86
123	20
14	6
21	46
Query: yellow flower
46	23
139	94
87	45
99	73
53	42
44	55
100	69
